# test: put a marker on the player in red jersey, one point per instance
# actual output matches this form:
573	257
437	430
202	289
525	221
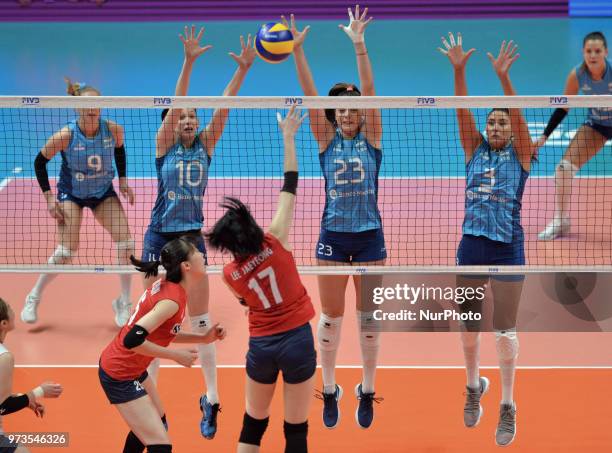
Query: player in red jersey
155	323
264	276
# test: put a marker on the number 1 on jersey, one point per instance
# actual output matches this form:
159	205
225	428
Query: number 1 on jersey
254	285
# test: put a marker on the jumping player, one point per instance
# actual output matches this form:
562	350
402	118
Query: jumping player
183	156
351	229
497	168
264	276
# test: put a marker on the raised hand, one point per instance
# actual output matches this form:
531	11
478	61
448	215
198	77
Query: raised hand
454	50
357	25
507	55
191	43
291	123
298	36
247	53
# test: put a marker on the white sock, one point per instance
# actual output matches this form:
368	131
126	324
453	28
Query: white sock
369	339
328	337
61	255
507	346
471	353
124	250
564	175
208	357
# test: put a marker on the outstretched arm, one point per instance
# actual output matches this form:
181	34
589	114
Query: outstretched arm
502	64
322	129
192	49
281	223
211	135
355	31
468	132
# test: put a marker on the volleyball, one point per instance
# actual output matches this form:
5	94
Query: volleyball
274	42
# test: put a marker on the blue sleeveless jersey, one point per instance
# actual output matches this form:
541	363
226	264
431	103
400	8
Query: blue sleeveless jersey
182	175
588	86
87	165
350	168
494	190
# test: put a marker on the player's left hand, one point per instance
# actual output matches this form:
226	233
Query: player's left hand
126	191
357	25
247	53
507	55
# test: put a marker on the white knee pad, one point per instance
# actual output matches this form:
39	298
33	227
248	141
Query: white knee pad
507	344
61	255
565	170
328	332
124	250
369	329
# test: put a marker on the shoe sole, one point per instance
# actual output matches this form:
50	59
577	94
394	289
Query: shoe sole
357	411
562	232
511	440
340	392
27	321
484	392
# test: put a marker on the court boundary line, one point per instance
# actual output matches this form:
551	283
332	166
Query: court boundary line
381	367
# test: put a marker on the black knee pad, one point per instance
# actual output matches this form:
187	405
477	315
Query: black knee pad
296	437
253	430
133	444
159	448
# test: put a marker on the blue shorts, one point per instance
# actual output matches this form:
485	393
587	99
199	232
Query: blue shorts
6	446
482	251
351	247
291	352
606	131
155	241
91	203
119	392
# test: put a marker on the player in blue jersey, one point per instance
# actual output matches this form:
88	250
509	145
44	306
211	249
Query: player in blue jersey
591	77
497	168
88	146
351	229
182	158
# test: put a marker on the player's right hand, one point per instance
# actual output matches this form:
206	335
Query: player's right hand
51	389
56	211
298	36
186	357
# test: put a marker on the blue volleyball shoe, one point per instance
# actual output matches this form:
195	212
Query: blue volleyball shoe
208	424
364	415
331	413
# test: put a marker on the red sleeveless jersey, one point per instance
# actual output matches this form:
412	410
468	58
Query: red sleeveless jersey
124	364
270	285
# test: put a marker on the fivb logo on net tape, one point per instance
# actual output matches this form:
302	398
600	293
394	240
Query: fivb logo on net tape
558	100
293	101
166	102
426	102
26	100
